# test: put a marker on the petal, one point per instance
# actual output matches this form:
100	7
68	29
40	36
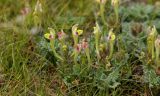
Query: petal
80	32
47	36
113	37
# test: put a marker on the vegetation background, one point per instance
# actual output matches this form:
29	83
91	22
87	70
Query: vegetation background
28	66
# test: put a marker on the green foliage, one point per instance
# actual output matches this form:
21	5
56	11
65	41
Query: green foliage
151	77
33	65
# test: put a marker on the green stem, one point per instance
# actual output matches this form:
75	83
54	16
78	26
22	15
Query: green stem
75	56
153	50
75	40
97	51
117	14
111	49
102	11
157	57
149	47
54	51
97	45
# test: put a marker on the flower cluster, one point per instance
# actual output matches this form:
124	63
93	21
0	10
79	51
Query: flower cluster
153	43
51	36
81	46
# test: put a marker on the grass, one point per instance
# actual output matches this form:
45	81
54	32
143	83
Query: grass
28	66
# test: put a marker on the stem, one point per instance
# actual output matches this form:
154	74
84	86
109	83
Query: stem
153	50
157	56
102	11
75	56
97	51
117	14
54	51
97	45
111	50
88	57
75	40
149	47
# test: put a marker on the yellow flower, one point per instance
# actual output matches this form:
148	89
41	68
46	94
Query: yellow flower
47	35
111	35
79	32
50	35
76	31
96	29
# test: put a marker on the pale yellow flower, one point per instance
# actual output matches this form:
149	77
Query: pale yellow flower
101	1
115	2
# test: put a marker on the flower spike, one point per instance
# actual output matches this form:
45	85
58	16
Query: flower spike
51	37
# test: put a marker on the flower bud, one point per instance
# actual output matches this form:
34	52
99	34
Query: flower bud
151	40
38	7
101	1
115	3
